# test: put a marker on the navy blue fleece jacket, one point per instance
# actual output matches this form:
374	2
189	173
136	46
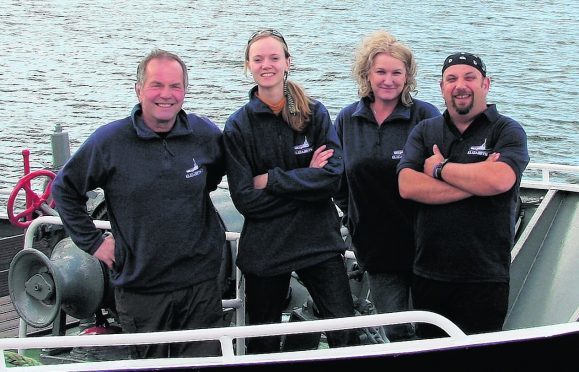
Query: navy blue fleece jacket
167	232
293	222
379	220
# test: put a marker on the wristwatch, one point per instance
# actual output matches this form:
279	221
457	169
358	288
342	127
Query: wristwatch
437	170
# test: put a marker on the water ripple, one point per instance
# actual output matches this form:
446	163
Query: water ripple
73	62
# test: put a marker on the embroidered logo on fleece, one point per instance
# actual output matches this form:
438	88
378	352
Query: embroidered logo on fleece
397	154
479	150
304	148
194	171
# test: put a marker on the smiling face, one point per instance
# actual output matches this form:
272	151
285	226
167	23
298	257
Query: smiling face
162	93
464	90
267	63
387	77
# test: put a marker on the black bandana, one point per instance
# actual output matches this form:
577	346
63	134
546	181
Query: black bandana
464	58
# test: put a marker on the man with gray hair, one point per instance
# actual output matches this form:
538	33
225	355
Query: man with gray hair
464	169
157	168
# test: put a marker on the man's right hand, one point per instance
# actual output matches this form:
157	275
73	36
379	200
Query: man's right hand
106	251
432	161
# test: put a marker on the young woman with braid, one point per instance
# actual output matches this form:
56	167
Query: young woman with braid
284	163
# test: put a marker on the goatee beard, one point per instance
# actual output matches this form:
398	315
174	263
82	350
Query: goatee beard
463	110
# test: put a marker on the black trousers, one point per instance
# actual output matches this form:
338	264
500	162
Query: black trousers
198	306
327	283
473	307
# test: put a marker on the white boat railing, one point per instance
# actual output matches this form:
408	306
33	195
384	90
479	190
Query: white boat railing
227	336
547	172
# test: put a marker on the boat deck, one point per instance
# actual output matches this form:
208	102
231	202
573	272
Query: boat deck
9	319
544	263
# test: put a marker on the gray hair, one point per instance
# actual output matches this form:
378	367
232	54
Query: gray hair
159	53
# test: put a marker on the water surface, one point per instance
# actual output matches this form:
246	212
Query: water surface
73	63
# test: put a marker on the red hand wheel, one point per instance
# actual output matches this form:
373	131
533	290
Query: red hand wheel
34	202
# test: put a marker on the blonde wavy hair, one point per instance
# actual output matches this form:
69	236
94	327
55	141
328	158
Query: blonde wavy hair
383	42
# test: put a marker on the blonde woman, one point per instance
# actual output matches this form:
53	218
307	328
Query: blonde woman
373	132
284	163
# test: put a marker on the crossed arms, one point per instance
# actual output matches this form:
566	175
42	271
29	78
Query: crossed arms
459	181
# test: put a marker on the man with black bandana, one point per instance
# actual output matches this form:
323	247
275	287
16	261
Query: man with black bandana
156	167
464	169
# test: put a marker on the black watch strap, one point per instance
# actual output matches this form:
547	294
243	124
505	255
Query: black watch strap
437	170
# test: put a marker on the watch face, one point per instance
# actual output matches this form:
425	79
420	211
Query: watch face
436	171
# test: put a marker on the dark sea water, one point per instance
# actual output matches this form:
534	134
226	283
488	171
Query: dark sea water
73	63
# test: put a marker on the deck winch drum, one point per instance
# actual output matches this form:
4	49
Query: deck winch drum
71	280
